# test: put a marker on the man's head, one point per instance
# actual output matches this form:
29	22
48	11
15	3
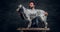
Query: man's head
31	4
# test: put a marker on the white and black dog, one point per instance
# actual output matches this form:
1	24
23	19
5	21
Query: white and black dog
29	14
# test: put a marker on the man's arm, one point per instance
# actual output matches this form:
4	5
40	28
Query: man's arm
43	15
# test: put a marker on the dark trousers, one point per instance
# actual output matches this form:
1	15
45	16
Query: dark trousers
36	23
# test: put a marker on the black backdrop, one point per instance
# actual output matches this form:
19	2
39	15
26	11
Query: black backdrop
10	20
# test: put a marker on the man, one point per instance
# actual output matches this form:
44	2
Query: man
32	13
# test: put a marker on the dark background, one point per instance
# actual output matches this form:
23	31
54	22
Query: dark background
10	20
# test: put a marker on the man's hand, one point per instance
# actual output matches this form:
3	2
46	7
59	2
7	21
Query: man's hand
46	14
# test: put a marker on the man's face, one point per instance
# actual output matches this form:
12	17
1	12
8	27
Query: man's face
31	5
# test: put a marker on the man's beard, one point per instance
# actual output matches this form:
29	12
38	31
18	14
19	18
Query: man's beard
31	7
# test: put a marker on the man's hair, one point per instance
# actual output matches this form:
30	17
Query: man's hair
32	2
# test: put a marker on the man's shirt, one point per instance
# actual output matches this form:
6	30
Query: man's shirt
31	14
